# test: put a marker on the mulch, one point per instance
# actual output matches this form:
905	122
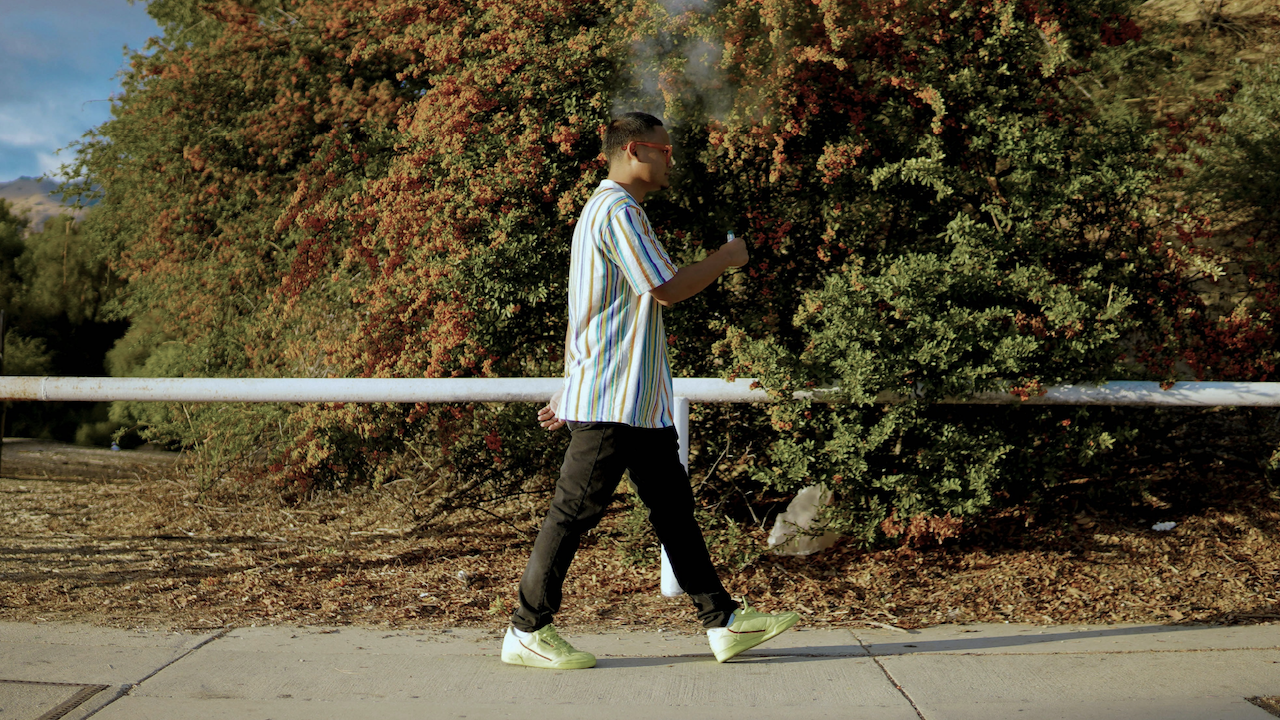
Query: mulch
131	542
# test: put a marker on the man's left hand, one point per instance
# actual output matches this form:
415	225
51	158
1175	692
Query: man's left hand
548	416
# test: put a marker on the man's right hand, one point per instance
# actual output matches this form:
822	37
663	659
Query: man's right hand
735	252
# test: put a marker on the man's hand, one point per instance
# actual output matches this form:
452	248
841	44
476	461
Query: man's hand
549	416
735	252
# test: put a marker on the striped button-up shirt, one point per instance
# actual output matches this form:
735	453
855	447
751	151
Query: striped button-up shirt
617	369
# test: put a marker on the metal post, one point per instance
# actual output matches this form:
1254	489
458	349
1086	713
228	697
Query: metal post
4	404
682	429
671	586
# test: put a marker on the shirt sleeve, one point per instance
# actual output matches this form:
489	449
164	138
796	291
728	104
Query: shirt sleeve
630	244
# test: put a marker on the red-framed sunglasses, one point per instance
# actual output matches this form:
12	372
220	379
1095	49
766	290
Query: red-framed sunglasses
666	149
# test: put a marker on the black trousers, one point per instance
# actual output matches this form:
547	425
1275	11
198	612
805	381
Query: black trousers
598	453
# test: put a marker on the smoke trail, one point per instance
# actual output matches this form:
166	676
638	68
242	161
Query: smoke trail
705	78
679	7
644	92
700	88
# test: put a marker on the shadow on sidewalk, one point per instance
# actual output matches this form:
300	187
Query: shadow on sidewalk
782	656
1020	640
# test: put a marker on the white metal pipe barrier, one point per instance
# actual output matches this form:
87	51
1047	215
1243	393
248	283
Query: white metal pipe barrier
699	390
537	390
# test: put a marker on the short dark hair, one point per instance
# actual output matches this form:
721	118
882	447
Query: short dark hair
627	128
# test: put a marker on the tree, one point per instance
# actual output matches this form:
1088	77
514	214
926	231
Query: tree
11	247
245	180
22	355
58	286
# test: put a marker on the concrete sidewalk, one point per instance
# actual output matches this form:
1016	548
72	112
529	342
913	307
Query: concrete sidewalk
952	672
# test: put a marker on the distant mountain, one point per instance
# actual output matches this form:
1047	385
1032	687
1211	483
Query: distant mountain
32	198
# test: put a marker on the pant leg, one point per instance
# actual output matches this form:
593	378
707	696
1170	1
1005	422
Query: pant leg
590	473
663	486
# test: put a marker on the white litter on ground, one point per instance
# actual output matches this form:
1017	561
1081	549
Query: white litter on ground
791	531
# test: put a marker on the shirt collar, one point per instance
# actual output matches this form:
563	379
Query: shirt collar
607	183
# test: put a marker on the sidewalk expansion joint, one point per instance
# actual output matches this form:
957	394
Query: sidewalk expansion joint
889	676
127	688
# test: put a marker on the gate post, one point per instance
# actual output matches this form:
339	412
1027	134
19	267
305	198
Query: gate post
4	404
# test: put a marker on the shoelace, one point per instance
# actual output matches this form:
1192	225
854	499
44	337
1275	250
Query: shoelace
746	611
554	640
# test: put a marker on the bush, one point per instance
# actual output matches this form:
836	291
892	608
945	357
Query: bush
1226	220
1226	217
25	356
964	217
305	192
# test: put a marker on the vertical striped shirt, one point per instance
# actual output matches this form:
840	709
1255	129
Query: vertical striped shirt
617	368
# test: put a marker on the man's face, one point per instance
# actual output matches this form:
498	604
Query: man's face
654	168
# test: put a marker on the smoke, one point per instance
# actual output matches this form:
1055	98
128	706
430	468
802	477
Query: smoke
693	83
679	7
706	81
644	91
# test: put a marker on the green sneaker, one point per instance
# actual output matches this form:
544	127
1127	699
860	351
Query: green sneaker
749	629
544	649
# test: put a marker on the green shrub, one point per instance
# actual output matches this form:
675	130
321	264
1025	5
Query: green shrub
965	216
1226	219
25	356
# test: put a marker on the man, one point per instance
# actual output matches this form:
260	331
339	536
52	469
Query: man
617	403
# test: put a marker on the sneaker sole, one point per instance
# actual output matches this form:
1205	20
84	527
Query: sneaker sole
521	660
767	637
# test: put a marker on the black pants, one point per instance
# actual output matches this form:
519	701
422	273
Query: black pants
593	465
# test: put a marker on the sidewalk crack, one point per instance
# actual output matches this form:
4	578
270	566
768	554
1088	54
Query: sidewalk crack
127	688
889	676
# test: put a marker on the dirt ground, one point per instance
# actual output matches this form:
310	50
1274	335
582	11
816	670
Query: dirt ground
124	539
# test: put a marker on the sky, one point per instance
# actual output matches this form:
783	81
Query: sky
58	66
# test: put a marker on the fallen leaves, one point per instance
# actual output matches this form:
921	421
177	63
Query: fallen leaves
127	564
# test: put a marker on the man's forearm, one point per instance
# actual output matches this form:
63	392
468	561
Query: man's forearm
692	279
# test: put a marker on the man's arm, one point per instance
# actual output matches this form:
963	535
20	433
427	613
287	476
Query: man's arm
549	416
693	279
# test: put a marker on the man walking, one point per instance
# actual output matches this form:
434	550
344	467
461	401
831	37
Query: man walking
617	402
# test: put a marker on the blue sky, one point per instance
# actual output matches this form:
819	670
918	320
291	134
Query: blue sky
58	65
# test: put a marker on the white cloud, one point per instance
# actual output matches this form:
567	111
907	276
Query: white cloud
21	135
58	66
50	122
50	165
